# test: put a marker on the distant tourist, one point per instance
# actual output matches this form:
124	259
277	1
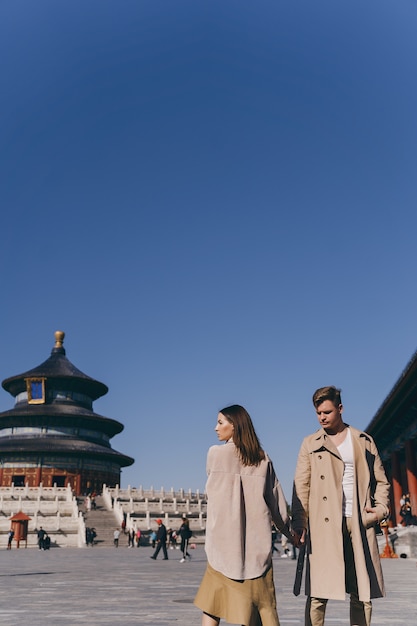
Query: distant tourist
161	541
10	539
185	534
406	514
170	532
116	536
90	536
41	536
46	542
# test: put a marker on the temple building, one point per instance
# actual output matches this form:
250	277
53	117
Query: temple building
394	429
52	436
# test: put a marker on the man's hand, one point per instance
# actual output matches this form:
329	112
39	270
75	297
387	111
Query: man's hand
372	509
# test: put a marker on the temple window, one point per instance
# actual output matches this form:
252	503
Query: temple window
36	390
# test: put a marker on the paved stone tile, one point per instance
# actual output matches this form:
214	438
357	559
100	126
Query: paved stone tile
122	587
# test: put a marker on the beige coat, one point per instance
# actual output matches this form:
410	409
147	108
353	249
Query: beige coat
317	505
242	502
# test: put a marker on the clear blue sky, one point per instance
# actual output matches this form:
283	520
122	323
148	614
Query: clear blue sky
217	202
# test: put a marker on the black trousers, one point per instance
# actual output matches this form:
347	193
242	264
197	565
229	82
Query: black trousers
159	545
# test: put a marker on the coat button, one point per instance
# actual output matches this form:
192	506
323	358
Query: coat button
326	519
319	456
322	477
325	498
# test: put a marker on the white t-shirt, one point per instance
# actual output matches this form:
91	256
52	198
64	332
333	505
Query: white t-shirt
346	452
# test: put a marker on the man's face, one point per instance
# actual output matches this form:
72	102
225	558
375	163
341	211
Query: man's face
330	416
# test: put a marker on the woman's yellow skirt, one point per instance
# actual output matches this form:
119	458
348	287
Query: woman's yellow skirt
247	602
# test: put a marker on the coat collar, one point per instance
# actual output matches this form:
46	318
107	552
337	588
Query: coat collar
320	439
360	440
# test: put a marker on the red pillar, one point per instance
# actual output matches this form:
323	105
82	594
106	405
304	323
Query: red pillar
397	490
38	477
411	467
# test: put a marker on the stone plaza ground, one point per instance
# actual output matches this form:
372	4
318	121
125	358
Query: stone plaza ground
99	586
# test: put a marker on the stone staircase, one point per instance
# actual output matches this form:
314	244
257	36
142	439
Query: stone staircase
102	520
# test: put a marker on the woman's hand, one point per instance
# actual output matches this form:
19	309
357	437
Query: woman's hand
299	537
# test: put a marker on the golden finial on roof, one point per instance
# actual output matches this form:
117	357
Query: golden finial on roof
59	338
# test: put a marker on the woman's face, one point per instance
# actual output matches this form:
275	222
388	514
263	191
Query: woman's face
224	428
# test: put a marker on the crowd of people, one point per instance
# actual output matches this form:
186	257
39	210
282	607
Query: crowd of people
162	538
167	537
133	537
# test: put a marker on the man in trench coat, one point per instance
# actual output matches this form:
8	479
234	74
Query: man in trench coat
340	494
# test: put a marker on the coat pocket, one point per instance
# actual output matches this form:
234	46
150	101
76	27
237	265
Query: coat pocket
368	520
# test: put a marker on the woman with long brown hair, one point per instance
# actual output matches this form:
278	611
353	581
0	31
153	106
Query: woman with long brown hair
244	498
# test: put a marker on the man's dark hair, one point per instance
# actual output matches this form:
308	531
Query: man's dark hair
327	393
